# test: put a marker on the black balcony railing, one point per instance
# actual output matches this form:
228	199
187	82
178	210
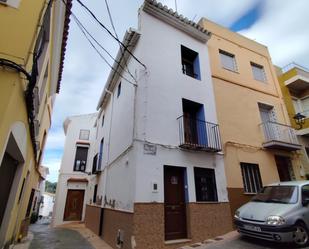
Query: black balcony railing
199	134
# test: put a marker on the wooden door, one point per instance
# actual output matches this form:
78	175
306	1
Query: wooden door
74	205
174	203
284	167
190	128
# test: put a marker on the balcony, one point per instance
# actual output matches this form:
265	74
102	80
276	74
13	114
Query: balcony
279	136
299	80
198	135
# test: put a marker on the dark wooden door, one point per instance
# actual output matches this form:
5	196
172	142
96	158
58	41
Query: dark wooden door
174	203
74	205
284	167
190	128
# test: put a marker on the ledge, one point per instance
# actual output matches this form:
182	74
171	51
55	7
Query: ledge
176	241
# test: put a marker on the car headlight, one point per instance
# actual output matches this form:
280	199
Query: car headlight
236	215
275	220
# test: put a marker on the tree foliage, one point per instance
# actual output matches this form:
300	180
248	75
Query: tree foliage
50	187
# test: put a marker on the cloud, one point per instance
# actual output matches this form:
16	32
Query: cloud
283	27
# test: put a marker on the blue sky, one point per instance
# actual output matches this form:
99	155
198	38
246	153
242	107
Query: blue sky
281	25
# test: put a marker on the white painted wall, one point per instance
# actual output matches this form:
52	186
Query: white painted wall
46	208
73	126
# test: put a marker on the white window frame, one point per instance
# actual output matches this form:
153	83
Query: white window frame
254	68
226	55
84	134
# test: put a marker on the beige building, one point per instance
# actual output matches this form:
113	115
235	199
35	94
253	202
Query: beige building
259	145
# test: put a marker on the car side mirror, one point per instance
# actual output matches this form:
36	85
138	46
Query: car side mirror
305	201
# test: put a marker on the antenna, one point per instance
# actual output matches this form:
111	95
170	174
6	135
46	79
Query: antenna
176	5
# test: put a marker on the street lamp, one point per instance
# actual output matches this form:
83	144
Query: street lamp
299	120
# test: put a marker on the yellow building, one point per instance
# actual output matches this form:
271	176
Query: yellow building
32	46
259	145
294	83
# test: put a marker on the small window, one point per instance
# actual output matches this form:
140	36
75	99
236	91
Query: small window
95	191
101	154
81	158
205	184
228	60
251	177
102	120
190	62
258	72
84	134
119	90
95	164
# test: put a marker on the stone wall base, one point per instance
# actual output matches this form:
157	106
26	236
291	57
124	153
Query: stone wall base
144	229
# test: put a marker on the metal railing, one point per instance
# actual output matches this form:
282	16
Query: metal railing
198	134
278	132
294	65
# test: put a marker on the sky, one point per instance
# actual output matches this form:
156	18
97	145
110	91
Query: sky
280	25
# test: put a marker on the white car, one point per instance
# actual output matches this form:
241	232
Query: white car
279	212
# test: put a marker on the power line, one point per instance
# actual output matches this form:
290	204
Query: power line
81	26
99	53
109	32
113	26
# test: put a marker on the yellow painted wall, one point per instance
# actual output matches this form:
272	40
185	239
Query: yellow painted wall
237	96
17	41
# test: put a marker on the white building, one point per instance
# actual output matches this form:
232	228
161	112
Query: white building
74	182
47	205
159	162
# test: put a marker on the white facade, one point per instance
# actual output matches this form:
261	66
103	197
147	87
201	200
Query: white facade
146	115
46	207
72	127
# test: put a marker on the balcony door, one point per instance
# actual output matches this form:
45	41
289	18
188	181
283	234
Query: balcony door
269	119
194	123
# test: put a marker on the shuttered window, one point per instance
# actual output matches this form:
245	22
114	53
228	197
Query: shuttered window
84	134
251	177
258	72
228	60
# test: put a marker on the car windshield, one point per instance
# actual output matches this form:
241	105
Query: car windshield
277	194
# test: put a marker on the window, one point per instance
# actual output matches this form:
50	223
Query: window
81	158
251	177
12	3
228	60
101	154
190	62
95	164
95	193
102	120
119	90
205	184
84	134
258	72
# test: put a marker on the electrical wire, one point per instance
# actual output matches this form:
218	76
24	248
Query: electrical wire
82	27
99	53
109	32
114	29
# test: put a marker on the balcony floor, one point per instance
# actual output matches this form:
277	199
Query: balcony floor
279	145
198	147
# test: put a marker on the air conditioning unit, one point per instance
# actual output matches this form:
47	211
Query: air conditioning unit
36	101
36	124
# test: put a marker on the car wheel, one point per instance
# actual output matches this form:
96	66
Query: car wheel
300	234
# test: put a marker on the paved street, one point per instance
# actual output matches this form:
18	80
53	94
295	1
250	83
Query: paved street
239	242
57	238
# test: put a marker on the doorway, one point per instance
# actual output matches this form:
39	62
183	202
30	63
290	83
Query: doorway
74	205
285	169
7	173
174	203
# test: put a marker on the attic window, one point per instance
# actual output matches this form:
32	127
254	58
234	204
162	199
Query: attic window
190	62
